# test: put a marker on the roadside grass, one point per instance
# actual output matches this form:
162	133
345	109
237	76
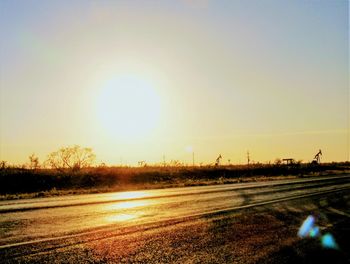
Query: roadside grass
16	183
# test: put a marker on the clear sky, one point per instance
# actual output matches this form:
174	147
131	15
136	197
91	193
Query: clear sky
136	80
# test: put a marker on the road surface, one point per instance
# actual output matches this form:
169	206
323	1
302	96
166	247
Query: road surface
26	225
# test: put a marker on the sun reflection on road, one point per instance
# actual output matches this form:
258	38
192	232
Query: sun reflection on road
127	205
117	211
120	218
129	195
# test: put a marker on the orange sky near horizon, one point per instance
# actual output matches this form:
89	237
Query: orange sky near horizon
142	80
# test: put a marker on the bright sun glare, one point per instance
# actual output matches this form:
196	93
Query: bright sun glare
128	107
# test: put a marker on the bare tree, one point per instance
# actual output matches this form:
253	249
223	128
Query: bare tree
176	163
33	162
3	164
278	161
74	158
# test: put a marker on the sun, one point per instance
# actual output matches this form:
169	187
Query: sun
128	107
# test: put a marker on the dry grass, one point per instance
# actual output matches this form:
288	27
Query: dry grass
24	183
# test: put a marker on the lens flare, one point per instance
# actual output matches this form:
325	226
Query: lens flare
306	227
309	229
328	241
314	232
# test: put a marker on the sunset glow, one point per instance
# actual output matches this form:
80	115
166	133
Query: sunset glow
128	108
174	131
142	82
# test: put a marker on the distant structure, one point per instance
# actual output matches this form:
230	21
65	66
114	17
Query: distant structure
289	161
142	163
317	158
218	159
164	163
248	157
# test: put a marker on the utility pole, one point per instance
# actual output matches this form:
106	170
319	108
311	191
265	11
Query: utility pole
248	157
164	160
193	158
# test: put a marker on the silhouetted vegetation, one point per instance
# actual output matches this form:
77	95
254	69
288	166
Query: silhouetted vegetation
74	158
24	180
34	162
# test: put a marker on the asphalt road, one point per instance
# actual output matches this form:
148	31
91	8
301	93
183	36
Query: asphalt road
30	222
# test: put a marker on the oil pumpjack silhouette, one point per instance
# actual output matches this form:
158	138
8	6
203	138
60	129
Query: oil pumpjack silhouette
217	161
317	158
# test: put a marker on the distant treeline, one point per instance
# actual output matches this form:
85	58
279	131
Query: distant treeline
19	180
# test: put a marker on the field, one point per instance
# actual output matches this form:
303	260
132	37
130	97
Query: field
18	183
